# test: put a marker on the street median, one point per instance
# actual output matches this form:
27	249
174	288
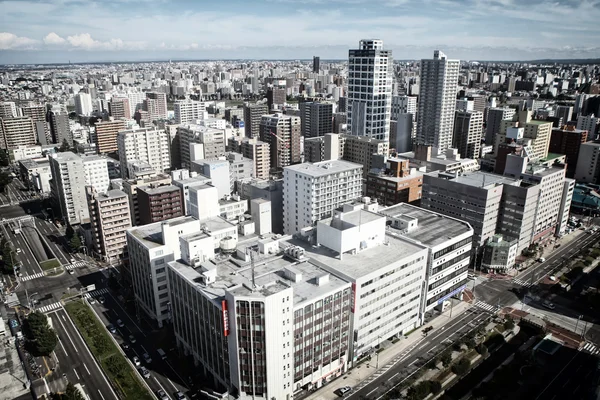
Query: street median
119	371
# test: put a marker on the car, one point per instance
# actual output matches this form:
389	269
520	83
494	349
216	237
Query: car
18	250
552	278
91	300
132	339
111	328
101	300
343	391
72	260
472	277
71	271
125	346
136	361
120	323
179	396
144	372
162	395
541	259
147	358
549	305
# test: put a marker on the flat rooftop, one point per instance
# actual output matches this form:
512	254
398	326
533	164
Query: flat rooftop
160	189
151	235
365	262
323	168
111	195
31	163
432	228
479	179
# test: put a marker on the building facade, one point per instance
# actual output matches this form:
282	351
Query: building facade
106	135
468	130
159	203
282	133
143	145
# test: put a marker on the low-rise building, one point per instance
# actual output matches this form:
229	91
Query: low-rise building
395	182
499	254
159	203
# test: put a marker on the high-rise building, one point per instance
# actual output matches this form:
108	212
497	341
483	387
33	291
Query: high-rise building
71	173
156	105
119	108
370	90
317	118
568	140
143	145
360	150
403	105
60	129
564	112
252	117
313	191
589	123
282	132
254	149
15	132
159	203
494	118
468	129
8	109
106	135
110	219
198	142
276	97
136	101
437	101
588	163
534	131
316	67
37	112
83	104
189	111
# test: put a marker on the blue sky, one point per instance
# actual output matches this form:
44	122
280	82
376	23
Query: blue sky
37	31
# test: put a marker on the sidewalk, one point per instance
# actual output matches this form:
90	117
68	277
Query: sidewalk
362	375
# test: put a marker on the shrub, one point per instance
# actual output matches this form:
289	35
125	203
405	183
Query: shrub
446	358
509	324
40	338
432	364
471	343
461	367
482	349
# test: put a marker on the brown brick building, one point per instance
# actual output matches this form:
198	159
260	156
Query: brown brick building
106	135
567	140
159	203
396	183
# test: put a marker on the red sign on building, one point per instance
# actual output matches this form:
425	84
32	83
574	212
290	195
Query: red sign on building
225	318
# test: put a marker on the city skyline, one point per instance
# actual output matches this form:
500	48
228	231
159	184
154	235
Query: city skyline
122	30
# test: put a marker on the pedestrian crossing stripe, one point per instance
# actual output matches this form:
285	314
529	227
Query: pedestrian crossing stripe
77	264
590	348
522	283
32	276
485	306
95	293
50	307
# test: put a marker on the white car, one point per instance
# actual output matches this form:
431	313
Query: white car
136	361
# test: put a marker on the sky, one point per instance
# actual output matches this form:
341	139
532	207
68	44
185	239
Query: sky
59	31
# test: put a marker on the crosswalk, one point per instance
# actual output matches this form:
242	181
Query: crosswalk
485	306
76	264
50	307
95	293
590	348
32	276
522	283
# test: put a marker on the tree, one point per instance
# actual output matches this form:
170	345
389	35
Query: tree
75	242
8	256
69	232
64	147
4	180
509	324
470	342
461	367
39	337
71	393
446	359
482	349
4	159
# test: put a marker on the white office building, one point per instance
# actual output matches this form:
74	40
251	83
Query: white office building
83	104
589	123
312	191
370	90
437	101
189	111
143	145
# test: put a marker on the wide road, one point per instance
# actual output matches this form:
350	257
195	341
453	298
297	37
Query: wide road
76	361
23	252
55	240
163	376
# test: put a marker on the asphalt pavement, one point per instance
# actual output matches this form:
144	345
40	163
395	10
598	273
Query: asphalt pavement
76	361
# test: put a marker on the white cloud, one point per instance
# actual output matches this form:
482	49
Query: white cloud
53	39
84	41
12	41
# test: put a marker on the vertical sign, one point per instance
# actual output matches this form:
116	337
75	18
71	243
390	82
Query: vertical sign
353	302
225	318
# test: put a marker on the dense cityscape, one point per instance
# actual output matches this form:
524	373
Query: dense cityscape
363	228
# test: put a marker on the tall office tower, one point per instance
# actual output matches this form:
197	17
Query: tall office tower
437	101
403	126
343	104
403	105
156	105
370	90
15	132
189	111
38	116
8	109
589	123
317	118
282	132
106	135
136	101
316	64
143	145
60	128
313	191
119	108
110	219
566	112
468	129
494	118
71	173
159	203
254	149
276	96
252	117
198	142
568	140
83	104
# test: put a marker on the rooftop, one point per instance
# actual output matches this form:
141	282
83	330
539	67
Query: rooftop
323	168
432	228
111	195
159	189
479	179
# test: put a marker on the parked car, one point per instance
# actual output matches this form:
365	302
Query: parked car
120	323
147	358
111	328
548	305
71	271
101	300
144	372
125	346
136	361
132	339
179	396
343	391
91	300
162	395
541	259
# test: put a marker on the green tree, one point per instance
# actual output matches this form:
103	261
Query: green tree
509	324
482	349
446	359
461	367
40	338
69	232
8	256
64	147
4	181
470	342
75	242
4	159
71	393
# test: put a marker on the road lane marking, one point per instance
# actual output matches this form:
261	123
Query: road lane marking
412	363
143	348
161	386
63	347
100	393
67	333
76	374
368	394
127	314
172	384
87	370
395	375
